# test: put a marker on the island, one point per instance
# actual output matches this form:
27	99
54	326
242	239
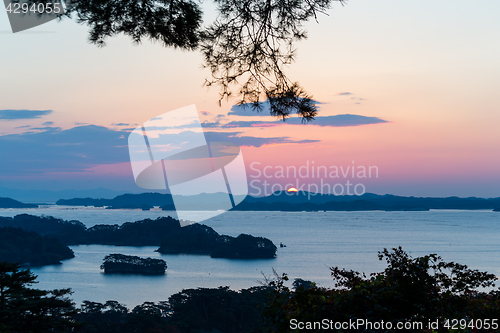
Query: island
11	203
201	239
244	247
144	201
121	263
28	248
163	201
164	232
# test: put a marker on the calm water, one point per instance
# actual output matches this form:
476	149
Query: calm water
315	241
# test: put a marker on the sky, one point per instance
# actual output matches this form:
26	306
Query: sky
406	88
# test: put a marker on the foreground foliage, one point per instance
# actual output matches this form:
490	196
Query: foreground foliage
409	289
23	309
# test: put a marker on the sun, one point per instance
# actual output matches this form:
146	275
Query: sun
292	189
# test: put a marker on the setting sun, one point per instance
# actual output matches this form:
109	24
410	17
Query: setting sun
292	189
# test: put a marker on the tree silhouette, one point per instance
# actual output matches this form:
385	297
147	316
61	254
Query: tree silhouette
410	290
174	23
246	48
23	309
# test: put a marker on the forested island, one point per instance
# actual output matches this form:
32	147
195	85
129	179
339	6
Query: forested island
164	232
120	263
205	240
30	248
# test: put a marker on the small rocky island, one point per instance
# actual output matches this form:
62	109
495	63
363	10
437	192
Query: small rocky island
120	263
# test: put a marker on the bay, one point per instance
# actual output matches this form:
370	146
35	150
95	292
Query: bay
314	242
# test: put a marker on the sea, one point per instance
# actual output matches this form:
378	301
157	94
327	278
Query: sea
313	243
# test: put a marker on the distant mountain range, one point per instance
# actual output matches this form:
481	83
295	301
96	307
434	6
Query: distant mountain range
278	201
146	201
50	197
284	201
304	201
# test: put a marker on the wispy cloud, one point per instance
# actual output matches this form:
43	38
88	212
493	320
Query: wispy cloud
344	93
23	114
78	149
53	149
237	138
193	125
341	120
251	141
